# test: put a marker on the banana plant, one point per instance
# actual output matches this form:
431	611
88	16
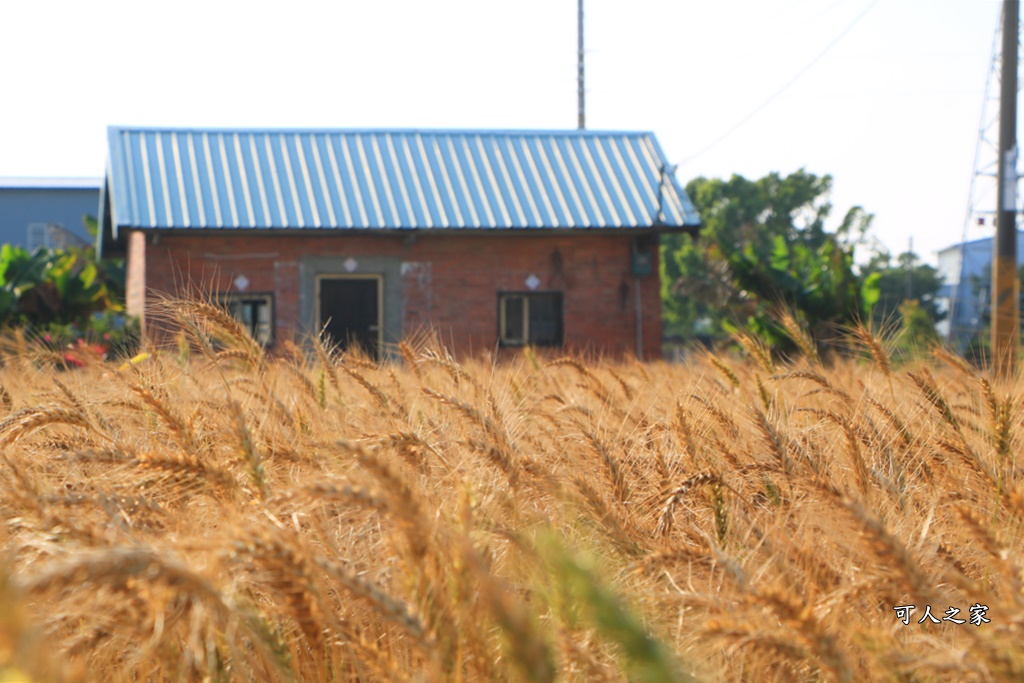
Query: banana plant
49	286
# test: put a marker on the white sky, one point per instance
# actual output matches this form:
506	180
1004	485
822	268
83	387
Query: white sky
891	110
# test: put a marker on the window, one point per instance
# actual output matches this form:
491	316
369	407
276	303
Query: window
254	312
51	236
38	236
530	318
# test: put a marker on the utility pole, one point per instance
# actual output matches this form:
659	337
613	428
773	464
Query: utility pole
910	269
1005	287
580	96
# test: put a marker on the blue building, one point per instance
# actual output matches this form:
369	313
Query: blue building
966	272
47	212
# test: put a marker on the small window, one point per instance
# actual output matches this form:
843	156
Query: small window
530	318
38	236
51	236
254	312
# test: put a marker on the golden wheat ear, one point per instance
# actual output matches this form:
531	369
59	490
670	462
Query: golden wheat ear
29	420
667	517
875	345
796	329
726	371
412	361
756	349
179	428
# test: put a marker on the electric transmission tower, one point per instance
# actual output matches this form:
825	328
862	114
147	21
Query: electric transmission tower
970	291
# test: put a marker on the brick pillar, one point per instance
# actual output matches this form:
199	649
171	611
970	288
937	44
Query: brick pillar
135	278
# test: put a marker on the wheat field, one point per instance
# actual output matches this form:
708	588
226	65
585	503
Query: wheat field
209	513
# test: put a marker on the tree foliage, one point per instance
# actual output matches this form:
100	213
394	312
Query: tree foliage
904	279
764	247
50	286
65	296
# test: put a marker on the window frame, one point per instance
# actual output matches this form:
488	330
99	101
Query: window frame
225	299
507	341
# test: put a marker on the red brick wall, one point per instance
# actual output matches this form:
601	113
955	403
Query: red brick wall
449	282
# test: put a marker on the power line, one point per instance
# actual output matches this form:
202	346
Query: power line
785	34
771	98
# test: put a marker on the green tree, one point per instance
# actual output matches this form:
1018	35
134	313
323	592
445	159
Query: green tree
917	332
904	279
764	245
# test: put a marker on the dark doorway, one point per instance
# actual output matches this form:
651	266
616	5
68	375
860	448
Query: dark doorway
350	311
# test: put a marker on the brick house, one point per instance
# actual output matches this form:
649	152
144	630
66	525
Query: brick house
490	238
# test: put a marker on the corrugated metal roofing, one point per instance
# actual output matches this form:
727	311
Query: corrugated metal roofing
391	179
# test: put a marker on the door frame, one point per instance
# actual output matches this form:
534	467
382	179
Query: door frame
379	277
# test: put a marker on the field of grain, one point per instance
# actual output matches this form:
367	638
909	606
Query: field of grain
209	513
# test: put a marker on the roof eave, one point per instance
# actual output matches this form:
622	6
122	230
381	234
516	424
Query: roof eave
419	232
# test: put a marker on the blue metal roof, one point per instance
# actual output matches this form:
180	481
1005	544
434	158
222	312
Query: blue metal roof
391	179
